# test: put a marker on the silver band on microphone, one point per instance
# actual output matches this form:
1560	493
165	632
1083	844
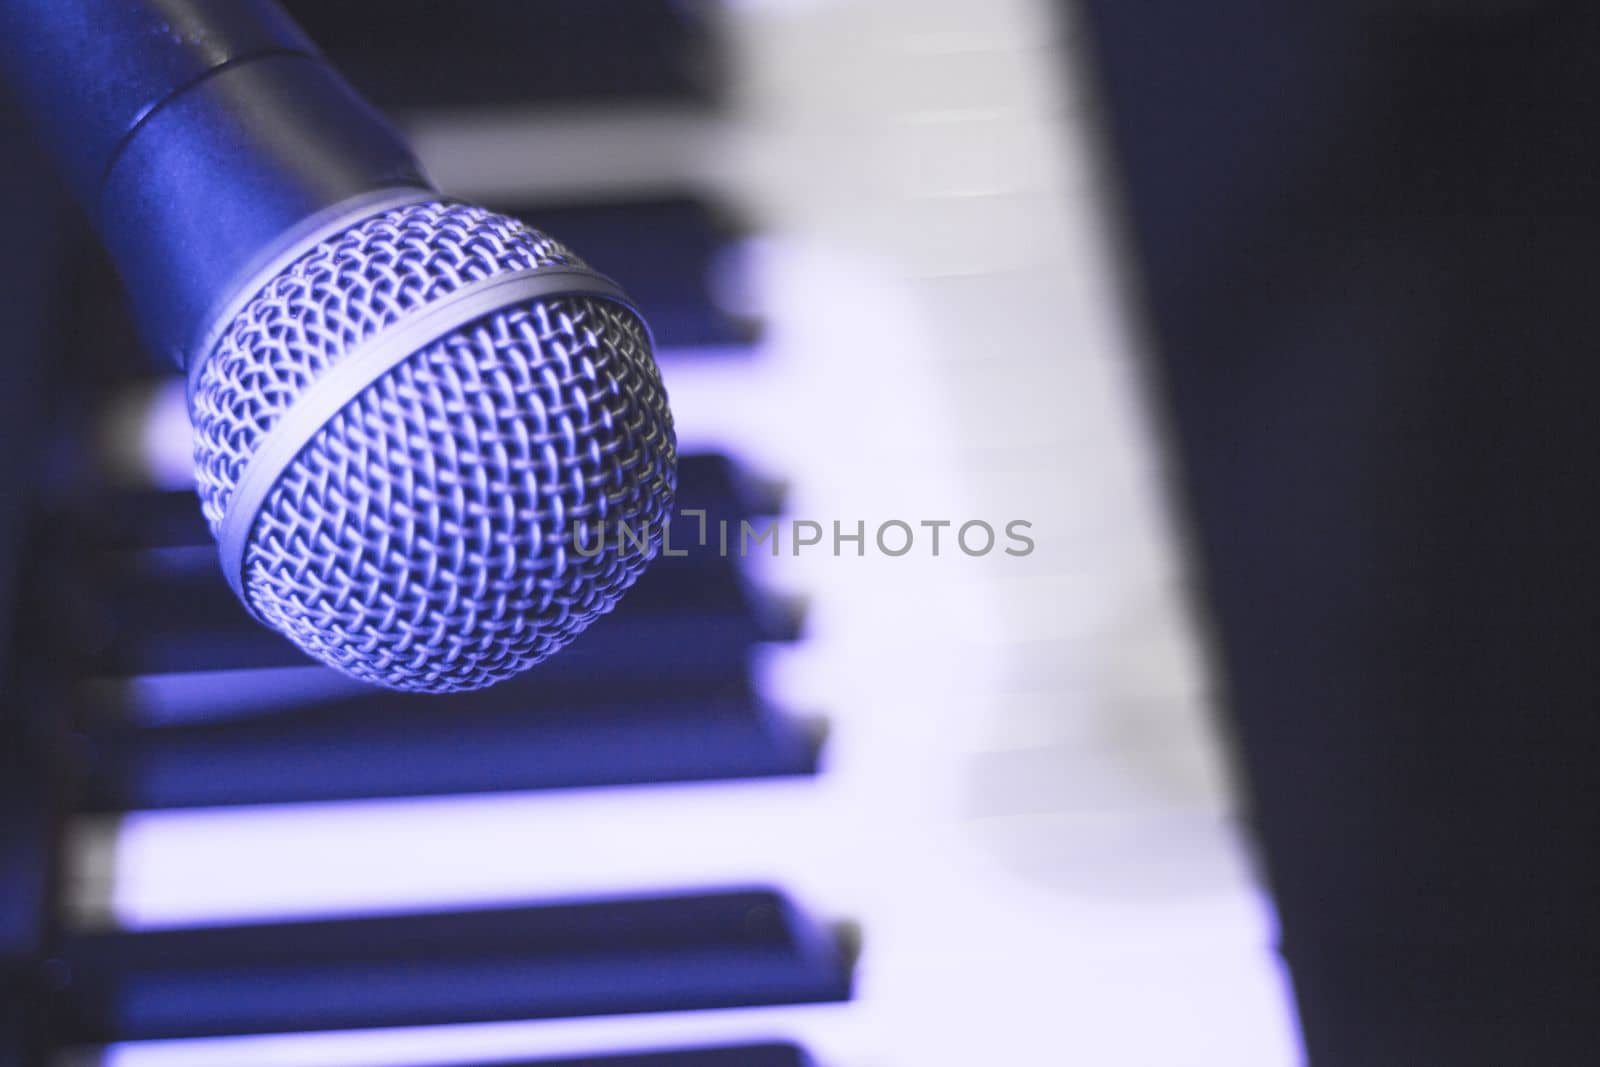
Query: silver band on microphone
325	397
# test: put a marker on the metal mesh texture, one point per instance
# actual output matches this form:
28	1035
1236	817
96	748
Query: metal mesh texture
423	539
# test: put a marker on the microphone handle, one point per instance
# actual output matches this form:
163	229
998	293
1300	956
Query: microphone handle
200	136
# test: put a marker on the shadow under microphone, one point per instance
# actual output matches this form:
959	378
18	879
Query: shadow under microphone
415	419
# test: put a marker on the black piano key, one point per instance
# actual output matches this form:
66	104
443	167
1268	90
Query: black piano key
779	1054
718	950
508	53
151	518
520	735
664	252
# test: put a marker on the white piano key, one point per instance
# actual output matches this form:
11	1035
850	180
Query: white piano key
902	51
145	439
576	154
863	833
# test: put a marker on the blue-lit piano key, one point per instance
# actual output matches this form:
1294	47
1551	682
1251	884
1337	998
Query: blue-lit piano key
665	253
714	950
508	53
180	625
764	1055
352	741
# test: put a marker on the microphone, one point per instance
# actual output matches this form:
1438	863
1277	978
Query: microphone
413	417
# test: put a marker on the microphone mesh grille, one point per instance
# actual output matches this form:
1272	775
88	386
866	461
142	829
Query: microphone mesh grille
423	538
339	294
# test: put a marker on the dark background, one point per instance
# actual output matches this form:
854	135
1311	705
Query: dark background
1367	235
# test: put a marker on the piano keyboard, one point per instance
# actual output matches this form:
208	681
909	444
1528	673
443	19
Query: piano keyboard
821	805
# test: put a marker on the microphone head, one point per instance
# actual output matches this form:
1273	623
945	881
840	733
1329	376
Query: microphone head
415	444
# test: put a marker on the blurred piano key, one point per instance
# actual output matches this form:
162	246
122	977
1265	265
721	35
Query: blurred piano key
175	612
668	252
767	1055
348	741
1092	879
499	53
559	960
576	152
744	1056
1198	996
